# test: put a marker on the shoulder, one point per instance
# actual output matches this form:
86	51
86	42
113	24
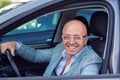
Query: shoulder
90	50
58	48
92	55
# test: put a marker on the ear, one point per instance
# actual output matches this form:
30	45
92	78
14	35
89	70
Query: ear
86	40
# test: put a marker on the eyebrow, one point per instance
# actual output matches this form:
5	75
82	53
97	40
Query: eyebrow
74	35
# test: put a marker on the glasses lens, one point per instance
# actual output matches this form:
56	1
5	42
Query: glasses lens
77	38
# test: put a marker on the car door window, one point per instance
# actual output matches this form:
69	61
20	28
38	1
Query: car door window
44	23
36	33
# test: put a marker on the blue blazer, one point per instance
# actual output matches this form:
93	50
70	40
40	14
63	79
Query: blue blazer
88	62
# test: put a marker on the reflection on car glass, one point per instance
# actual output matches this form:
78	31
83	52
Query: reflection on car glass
11	7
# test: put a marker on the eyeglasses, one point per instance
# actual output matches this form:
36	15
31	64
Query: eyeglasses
75	37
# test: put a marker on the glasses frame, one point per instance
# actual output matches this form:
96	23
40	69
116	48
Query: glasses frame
74	37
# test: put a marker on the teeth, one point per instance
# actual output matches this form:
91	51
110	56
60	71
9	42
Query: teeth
72	47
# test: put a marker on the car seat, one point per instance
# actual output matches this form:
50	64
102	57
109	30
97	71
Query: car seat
98	28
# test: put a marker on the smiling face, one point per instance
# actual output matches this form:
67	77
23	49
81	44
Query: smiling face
74	36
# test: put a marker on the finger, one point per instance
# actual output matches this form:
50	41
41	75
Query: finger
0	48
12	52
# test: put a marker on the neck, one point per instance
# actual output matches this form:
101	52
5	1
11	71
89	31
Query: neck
68	60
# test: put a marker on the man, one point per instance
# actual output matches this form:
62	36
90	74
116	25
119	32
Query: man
70	57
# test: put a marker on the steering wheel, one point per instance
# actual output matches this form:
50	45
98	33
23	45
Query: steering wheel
12	62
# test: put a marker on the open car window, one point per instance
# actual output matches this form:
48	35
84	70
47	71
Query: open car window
41	31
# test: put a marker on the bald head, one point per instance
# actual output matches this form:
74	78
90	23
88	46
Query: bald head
75	27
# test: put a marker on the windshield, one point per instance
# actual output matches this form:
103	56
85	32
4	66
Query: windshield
7	5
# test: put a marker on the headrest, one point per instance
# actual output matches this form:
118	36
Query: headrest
84	21
98	23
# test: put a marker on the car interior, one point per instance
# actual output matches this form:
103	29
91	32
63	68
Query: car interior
97	22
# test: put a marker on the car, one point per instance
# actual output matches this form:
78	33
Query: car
39	24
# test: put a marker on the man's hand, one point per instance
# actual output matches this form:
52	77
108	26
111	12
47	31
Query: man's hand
8	45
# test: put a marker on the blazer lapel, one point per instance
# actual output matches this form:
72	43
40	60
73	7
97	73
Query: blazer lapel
54	62
77	61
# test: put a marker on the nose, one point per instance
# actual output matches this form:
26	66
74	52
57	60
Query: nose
72	41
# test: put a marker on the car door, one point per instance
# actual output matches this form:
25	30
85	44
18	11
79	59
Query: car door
36	33
49	37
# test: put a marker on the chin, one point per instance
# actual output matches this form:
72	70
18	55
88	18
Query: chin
72	53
